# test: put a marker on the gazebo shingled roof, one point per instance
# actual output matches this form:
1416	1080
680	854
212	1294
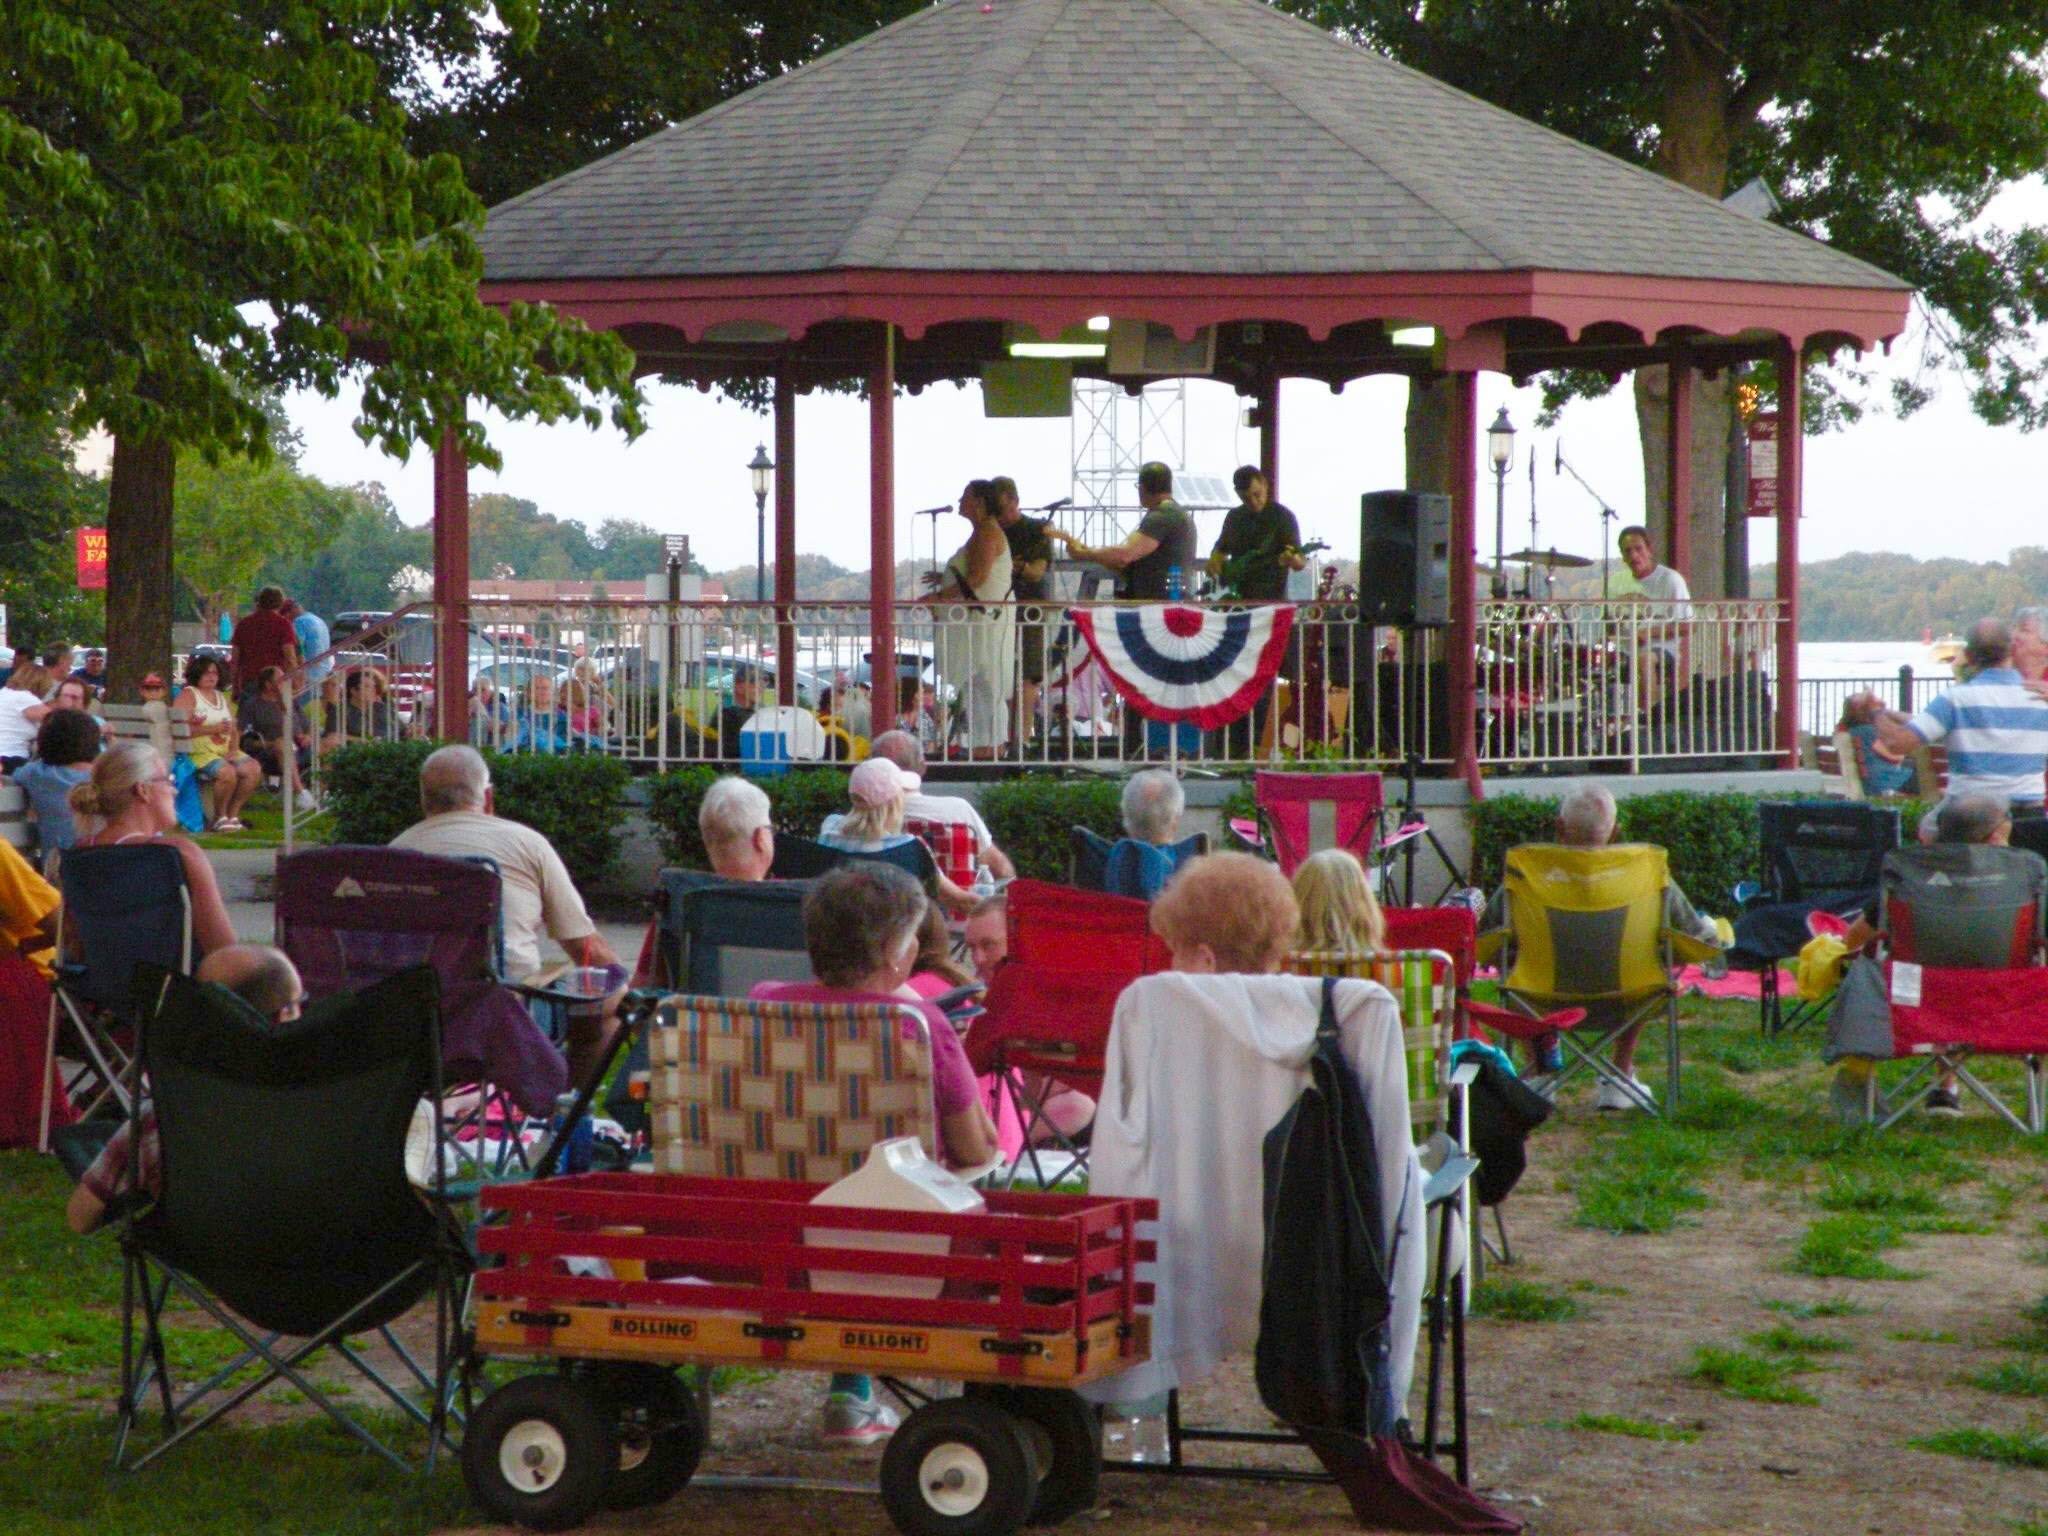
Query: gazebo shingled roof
884	211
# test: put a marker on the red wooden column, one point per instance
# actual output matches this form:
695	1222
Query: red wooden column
1791	470
882	531
451	588
785	539
1678	460
1269	433
1462	640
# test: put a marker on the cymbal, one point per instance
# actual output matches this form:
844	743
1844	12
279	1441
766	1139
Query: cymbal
1551	557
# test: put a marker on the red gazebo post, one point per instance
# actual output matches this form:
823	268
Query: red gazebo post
785	538
1678	458
451	587
882	534
1462	672
1791	467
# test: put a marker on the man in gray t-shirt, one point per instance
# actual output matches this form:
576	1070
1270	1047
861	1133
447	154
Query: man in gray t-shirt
1165	538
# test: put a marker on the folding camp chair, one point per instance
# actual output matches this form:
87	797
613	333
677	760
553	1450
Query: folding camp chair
285	1211
1963	969
1816	856
1455	931
1305	813
1424	984
1591	928
747	1090
1051	1002
351	915
123	906
801	858
952	847
1094	863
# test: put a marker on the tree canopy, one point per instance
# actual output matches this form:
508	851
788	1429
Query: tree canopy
43	497
1878	595
200	204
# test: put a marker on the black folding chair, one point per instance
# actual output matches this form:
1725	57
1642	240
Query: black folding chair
123	906
285	1212
800	858
1816	856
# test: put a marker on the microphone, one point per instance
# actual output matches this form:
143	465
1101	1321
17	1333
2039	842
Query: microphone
1054	506
944	506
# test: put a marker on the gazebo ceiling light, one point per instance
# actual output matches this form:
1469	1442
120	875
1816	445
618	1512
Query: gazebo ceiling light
1423	336
1084	341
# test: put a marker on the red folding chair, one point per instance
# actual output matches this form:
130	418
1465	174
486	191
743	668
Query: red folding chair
952	846
1305	813
1944	908
1050	1004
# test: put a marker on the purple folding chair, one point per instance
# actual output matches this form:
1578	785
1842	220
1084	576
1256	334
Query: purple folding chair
349	916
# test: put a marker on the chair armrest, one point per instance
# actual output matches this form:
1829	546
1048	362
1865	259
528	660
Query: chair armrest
1445	1183
1465	1074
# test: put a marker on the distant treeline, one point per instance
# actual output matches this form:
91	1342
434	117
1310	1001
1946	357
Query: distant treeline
1883	596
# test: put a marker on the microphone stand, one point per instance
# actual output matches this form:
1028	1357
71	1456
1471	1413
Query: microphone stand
1529	571
1606	512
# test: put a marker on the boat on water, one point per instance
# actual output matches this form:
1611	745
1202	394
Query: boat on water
1943	652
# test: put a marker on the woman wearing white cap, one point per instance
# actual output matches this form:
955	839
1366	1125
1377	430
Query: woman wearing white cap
877	788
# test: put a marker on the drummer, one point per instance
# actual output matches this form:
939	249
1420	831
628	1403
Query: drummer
1672	599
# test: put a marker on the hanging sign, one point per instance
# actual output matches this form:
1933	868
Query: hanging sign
1763	464
1205	666
92	559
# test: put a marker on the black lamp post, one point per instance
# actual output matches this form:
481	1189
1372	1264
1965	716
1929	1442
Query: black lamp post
1500	447
762	468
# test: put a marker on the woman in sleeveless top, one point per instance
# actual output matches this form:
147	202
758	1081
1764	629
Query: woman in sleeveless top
217	756
130	800
976	632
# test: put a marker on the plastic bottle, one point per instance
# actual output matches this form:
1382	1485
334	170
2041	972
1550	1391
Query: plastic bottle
984	883
1176	583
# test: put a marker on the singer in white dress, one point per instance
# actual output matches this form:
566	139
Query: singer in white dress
976	635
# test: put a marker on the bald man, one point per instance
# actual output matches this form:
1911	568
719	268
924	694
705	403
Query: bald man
260	976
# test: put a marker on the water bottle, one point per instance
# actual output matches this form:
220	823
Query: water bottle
1176	584
582	1136
984	883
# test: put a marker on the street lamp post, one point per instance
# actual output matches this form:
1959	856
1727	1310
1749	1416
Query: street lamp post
762	468
1500	447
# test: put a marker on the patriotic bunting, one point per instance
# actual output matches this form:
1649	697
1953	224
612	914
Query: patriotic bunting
1204	666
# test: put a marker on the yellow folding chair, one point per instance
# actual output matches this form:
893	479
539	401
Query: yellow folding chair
1591	928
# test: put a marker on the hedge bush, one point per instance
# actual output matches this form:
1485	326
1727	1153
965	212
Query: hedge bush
1029	818
1711	838
575	802
800	800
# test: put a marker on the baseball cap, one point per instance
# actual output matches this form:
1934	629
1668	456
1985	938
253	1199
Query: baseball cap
877	781
152	680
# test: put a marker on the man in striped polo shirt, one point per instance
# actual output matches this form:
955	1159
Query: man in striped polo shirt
1996	728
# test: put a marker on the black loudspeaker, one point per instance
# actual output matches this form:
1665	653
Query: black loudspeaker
1404	559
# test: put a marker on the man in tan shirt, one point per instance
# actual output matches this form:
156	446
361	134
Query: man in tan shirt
459	820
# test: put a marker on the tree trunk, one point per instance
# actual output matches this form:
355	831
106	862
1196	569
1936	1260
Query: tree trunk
1429	433
1692	149
139	583
1712	413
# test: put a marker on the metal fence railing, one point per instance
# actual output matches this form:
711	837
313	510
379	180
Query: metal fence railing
1821	698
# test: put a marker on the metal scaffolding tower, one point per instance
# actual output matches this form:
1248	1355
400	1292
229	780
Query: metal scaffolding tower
1114	432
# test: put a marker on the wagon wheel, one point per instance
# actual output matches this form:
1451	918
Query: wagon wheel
959	1467
539	1453
661	1432
1067	1436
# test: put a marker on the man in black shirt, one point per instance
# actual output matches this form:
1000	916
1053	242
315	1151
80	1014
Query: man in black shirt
1165	538
1030	560
1260	543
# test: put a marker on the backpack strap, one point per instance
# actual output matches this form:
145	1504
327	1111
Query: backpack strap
1326	1027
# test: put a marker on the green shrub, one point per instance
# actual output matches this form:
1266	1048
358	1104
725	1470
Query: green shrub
1029	818
800	802
576	803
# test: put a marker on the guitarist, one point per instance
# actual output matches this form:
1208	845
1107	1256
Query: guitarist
1260	542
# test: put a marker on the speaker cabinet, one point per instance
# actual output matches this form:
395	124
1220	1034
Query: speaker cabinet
1404	559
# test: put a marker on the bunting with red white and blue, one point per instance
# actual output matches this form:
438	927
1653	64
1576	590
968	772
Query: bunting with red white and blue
1203	666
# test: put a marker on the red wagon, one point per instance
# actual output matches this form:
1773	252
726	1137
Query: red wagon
1022	1303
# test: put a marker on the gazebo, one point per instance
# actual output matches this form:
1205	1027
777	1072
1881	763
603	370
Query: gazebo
896	211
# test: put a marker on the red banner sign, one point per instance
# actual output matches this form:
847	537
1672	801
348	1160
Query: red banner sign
92	559
1763	464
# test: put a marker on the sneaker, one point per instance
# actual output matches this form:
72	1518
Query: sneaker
1610	1095
308	801
1945	1102
857	1420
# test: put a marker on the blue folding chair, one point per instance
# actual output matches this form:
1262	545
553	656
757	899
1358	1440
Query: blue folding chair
1127	867
123	907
